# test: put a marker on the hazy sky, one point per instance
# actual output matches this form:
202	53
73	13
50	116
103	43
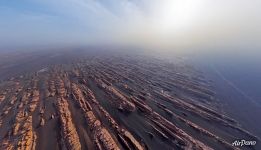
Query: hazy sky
173	24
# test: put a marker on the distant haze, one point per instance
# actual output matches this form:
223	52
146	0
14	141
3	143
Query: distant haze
170	25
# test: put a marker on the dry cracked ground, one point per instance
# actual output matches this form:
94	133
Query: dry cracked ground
63	100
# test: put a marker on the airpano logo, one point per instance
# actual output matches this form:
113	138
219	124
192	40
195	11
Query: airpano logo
243	143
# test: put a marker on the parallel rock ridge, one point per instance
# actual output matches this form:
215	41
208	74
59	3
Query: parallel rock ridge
113	103
102	138
69	133
21	134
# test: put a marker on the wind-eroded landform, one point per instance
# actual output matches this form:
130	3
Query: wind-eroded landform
109	102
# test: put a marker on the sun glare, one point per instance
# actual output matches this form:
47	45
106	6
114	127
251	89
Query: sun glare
174	16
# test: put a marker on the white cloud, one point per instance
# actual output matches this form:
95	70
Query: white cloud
168	23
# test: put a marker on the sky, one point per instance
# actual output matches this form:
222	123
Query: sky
161	24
